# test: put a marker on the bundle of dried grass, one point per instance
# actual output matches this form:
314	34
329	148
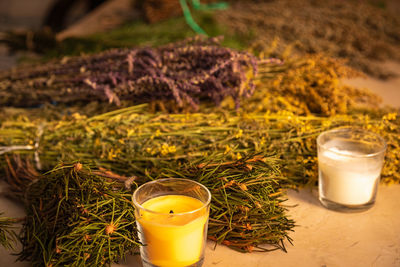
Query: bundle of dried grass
355	30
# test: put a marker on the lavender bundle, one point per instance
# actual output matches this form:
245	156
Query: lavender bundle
185	72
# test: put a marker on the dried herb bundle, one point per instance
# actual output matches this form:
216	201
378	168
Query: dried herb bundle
133	141
307	85
76	218
247	194
185	72
79	216
7	235
302	85
356	30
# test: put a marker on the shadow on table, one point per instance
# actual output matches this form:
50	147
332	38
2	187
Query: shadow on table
131	261
307	195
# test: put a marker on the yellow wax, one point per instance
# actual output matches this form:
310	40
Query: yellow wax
173	239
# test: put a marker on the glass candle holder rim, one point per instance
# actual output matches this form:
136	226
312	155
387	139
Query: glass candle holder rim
205	204
344	129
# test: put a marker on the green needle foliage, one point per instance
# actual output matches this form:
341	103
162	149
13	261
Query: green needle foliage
77	216
7	235
246	208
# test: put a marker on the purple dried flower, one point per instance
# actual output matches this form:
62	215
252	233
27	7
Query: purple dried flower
186	71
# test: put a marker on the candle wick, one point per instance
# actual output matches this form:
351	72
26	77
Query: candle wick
171	211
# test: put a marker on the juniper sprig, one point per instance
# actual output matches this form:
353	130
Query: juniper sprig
77	218
8	236
82	216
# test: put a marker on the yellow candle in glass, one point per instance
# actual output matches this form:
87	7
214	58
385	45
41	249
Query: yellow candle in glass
172	217
173	229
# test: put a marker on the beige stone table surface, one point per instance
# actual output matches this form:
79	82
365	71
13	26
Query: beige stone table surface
321	237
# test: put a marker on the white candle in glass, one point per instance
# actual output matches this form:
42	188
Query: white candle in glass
349	163
347	178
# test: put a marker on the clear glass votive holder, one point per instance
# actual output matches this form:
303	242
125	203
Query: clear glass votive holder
350	162
172	219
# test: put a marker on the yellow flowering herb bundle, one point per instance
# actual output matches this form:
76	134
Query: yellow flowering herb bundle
133	141
308	85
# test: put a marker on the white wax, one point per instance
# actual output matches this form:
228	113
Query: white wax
346	178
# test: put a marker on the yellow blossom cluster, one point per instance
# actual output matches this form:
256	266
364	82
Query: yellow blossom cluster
163	150
310	85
